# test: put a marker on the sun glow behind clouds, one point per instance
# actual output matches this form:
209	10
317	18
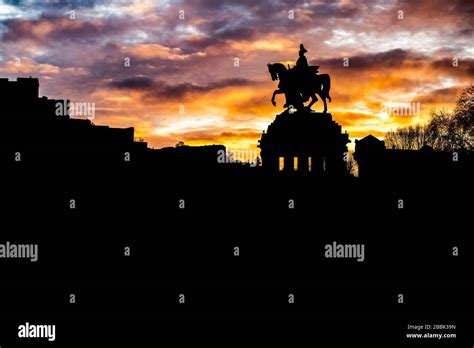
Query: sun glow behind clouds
190	62
188	125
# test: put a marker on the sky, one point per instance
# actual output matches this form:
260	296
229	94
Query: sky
196	70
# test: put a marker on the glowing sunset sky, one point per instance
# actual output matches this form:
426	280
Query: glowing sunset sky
176	63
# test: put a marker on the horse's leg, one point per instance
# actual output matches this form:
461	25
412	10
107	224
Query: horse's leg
275	92
314	99
325	105
297	101
326	86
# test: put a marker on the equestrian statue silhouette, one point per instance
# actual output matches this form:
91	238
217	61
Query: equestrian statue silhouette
300	83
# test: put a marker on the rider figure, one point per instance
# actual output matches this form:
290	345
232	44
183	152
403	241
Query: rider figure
302	62
302	72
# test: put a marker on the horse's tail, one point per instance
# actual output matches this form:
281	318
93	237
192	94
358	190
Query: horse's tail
326	83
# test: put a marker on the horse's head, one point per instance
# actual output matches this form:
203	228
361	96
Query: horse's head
273	72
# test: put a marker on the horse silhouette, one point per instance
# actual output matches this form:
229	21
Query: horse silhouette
294	87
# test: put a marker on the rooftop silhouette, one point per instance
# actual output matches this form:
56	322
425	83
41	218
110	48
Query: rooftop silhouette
375	161
299	142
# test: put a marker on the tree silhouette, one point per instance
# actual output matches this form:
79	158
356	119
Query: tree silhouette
351	164
444	131
407	138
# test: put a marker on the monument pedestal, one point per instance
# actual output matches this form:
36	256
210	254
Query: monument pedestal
304	143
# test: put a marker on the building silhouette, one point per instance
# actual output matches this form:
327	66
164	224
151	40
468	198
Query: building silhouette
304	143
375	161
33	122
20	101
295	144
33	126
